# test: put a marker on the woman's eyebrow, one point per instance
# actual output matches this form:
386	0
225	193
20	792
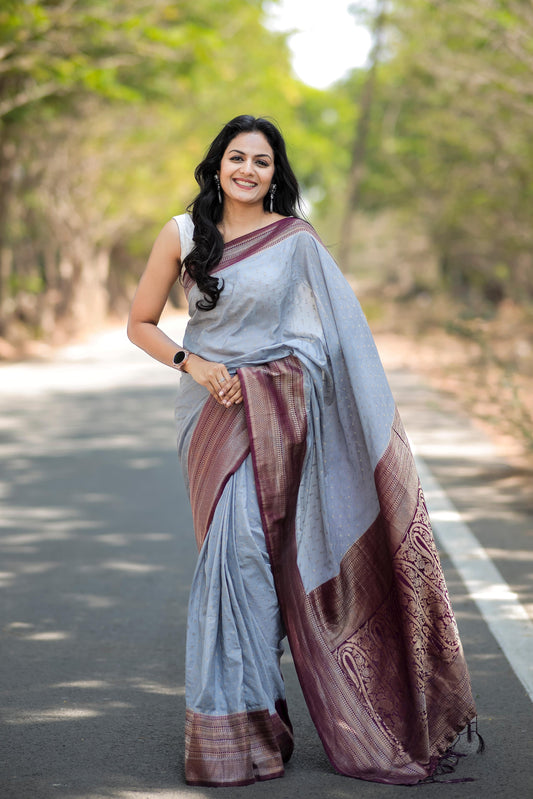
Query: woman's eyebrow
258	155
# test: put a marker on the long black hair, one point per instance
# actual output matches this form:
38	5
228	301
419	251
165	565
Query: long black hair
207	210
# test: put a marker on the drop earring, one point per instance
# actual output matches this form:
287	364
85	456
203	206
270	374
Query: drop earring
272	193
217	181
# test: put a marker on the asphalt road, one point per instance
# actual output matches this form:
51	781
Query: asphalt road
96	557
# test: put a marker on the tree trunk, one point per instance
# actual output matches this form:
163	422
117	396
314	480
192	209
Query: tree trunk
355	175
89	300
7	161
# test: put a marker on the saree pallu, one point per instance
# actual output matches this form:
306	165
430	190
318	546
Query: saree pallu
310	521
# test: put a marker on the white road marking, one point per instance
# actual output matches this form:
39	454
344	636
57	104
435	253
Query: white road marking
500	607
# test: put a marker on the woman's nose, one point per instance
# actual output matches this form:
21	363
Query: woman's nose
247	166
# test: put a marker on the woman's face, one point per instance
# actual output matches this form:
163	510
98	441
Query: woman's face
247	168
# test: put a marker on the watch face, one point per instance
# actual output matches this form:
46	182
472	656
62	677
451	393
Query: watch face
179	357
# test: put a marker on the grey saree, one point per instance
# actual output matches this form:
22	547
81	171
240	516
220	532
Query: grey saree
310	523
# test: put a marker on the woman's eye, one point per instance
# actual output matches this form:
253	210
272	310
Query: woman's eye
262	163
235	158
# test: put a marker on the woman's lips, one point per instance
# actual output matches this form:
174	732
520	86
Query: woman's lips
244	184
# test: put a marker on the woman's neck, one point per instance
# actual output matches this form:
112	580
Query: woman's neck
238	221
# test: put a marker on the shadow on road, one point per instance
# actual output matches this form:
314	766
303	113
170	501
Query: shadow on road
97	553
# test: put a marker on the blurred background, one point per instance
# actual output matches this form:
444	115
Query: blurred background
409	124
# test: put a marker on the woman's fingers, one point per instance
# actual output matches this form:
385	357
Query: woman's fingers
218	381
222	383
231	393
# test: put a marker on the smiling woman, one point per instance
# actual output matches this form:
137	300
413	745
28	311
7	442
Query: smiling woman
308	513
245	175
246	183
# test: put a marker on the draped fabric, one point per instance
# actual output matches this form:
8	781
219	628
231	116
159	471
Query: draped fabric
310	521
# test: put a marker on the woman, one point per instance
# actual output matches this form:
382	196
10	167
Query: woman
307	508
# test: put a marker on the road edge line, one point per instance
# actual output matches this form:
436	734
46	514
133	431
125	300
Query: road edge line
505	616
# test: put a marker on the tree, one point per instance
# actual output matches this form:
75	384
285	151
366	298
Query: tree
450	139
52	54
359	144
107	109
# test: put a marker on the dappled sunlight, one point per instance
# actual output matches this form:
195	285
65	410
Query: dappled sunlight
151	687
94	684
128	566
93	497
149	793
114	539
18	627
6	578
505	600
93	601
50	635
47	531
456	448
35	569
125	539
487	658
497	553
74	376
143	463
31	716
27	632
443	515
500	512
42	514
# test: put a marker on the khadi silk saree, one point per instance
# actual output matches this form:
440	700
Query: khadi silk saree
311	524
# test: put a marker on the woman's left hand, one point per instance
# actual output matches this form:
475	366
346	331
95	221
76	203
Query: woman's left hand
231	391
216	378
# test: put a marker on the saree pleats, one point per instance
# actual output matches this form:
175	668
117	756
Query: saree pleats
219	430
237	726
237	749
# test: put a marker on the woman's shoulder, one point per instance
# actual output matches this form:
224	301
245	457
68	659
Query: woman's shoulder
186	231
296	226
184	222
292	225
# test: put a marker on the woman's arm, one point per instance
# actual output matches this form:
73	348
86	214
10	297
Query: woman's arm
162	271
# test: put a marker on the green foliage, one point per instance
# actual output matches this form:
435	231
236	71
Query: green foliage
451	138
105	109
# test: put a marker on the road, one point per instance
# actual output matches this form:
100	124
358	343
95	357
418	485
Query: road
96	558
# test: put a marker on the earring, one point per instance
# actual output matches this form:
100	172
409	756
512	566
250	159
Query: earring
272	193
217	181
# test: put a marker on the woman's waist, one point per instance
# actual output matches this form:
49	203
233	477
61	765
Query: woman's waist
237	357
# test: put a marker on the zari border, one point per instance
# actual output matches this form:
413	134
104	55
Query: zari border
262	239
252	243
218	446
237	749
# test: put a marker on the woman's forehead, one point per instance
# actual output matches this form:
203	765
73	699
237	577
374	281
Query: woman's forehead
252	142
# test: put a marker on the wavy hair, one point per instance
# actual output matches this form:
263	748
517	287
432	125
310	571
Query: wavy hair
207	210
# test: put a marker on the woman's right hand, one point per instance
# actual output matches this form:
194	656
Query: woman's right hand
216	379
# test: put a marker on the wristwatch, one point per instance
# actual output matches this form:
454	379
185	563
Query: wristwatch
181	358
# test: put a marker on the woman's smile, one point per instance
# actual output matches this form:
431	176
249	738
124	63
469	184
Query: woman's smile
245	184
